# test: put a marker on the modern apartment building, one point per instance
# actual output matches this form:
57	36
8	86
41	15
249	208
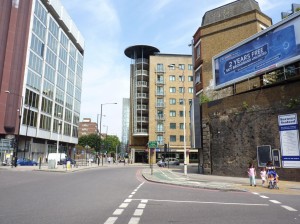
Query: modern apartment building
160	92
41	64
87	127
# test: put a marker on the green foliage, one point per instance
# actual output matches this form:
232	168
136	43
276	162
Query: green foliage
245	105
92	140
297	9
110	143
204	98
293	103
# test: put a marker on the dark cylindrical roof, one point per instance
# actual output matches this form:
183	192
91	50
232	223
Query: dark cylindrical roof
139	51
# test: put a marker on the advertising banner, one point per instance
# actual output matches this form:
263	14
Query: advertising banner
289	140
262	53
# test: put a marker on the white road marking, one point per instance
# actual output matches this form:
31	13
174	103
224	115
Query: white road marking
205	202
130	196
128	200
123	205
111	220
255	193
141	205
138	212
133	192
134	220
289	208
118	211
262	196
144	201
275	202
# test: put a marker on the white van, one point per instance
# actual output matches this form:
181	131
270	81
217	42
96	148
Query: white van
56	156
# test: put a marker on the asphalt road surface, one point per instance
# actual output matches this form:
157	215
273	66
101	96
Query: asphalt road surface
120	195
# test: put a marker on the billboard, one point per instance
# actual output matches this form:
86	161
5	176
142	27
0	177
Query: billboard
274	47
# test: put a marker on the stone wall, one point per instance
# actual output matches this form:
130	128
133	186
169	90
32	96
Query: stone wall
234	126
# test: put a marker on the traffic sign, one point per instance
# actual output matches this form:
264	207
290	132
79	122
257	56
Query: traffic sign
152	144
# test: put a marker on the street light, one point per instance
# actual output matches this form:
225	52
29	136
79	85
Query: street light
18	135
184	122
101	123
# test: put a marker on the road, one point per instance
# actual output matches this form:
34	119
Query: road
119	195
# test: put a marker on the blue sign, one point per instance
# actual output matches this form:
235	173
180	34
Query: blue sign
257	55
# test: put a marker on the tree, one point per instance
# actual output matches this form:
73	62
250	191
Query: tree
110	143
92	140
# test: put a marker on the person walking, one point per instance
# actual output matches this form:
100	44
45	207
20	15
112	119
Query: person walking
252	174
263	175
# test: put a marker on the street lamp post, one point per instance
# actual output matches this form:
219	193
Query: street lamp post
57	146
101	124
18	135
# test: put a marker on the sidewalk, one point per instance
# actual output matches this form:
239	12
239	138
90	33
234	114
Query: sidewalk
175	176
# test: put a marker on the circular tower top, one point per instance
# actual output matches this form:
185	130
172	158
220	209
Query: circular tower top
138	51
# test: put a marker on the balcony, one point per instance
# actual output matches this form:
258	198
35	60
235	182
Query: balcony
142	96
160	105
142	61
160	117
142	107
160	93
142	119
142	84
160	82
140	132
160	130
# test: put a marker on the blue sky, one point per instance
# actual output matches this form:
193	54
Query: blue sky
110	26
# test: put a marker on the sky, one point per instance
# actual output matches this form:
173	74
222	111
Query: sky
110	26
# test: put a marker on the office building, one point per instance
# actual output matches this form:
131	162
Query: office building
87	127
125	125
41	63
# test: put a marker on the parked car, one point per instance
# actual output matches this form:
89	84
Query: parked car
168	161
26	162
64	161
161	163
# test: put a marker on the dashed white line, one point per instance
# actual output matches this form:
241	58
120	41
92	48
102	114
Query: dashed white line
262	196
141	205
134	220
289	208
133	192
111	220
144	201
130	196
275	202
127	200
123	205
118	211
138	212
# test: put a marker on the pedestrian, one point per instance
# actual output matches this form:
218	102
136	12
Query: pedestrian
252	174
263	175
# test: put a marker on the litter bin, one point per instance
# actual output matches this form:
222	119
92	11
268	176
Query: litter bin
51	164
68	165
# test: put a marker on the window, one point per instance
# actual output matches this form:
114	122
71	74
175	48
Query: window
172	66
181	101
172	89
190	78
198	51
190	67
181	113
159	127
160	67
172	101
181	66
172	125
181	89
172	78
181	78
172	138
198	76
181	125
160	139
181	138
191	90
172	113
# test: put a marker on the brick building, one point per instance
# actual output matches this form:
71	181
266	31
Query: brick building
87	127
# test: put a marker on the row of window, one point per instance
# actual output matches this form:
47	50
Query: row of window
173	138
180	78
181	89
160	67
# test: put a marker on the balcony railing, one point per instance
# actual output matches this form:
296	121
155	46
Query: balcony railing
142	119
160	117
142	95
160	130
142	84
142	60
160	93
160	82
142	107
160	104
142	72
